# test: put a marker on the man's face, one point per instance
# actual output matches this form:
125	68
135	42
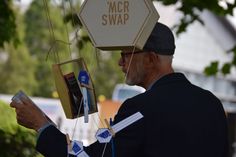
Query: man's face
132	66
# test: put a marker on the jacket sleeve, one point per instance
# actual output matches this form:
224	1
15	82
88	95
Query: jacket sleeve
127	142
52	142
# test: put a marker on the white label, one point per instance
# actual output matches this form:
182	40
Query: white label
86	108
126	122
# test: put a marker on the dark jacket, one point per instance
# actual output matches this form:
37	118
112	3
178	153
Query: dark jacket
180	120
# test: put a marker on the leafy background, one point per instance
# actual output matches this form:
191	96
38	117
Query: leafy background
15	141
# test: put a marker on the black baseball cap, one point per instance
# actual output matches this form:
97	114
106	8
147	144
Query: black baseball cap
161	40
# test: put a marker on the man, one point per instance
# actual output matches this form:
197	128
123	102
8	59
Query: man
179	118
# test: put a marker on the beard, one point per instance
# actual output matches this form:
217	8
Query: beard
135	75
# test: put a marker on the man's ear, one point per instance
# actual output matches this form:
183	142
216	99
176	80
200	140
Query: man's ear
151	60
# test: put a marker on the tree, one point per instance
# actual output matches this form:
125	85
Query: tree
191	10
15	140
46	42
7	22
17	71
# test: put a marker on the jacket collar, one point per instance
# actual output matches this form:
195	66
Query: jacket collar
169	78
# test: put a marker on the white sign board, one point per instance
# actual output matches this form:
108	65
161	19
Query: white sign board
118	24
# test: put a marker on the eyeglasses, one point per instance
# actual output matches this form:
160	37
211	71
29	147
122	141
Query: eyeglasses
125	54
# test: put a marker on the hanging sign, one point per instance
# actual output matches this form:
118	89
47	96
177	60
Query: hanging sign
118	24
76	149
104	135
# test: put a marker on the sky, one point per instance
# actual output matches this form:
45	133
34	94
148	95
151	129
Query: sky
24	2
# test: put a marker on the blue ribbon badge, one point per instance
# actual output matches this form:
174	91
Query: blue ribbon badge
83	77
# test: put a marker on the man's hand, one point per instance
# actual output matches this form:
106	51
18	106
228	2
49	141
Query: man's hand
28	114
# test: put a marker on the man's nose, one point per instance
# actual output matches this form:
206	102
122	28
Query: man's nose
121	62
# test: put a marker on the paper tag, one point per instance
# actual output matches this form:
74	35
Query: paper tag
83	154
104	135
126	122
86	108
76	147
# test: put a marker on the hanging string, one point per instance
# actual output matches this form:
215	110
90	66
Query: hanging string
93	118
54	48
112	142
56	57
76	35
130	61
67	32
63	42
73	12
104	149
73	133
97	59
101	120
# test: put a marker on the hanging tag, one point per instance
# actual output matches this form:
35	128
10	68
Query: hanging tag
84	80
75	148
86	109
83	154
109	127
104	135
126	122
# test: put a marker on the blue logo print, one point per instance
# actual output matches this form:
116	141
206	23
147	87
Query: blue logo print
105	134
76	148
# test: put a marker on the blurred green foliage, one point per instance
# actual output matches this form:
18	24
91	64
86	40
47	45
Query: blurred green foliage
40	37
7	22
28	65
214	68
17	69
15	141
192	8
